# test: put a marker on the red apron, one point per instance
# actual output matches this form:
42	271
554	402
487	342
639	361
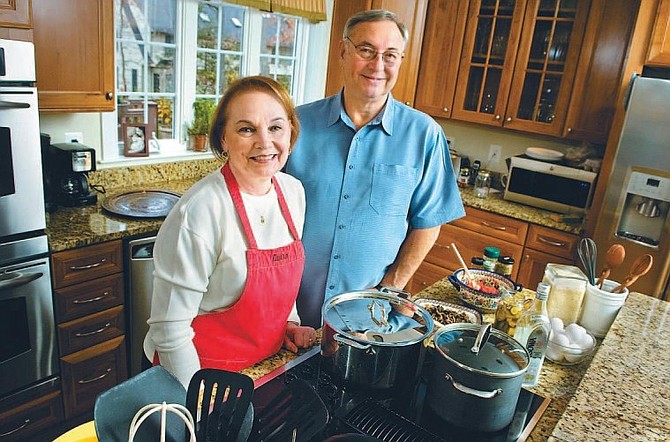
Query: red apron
254	327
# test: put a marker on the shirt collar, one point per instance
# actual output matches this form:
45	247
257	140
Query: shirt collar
385	116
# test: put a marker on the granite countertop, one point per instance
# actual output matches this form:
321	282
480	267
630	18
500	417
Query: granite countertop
69	228
618	394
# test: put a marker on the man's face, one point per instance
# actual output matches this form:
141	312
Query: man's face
371	79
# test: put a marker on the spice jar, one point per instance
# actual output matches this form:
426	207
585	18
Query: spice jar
568	285
491	255
463	177
482	184
504	265
510	307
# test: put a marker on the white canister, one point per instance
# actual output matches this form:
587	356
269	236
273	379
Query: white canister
601	307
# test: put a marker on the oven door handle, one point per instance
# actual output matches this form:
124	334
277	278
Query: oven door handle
13	105
16	279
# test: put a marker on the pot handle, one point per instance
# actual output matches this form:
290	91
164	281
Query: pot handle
471	391
454	282
351	343
400	293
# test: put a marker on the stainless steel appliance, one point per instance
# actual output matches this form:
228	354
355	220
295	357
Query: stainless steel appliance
140	268
549	185
67	170
28	350
637	200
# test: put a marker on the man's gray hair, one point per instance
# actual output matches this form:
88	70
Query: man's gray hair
375	15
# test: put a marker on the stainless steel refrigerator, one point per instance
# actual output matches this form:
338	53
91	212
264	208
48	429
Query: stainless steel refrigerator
636	207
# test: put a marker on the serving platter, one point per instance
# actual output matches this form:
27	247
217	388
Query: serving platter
142	203
444	313
540	153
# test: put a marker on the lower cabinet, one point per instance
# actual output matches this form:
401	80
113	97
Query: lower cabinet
28	420
531	246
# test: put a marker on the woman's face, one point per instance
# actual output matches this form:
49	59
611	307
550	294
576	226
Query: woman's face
257	137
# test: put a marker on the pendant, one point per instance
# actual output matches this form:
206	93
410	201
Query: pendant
262	219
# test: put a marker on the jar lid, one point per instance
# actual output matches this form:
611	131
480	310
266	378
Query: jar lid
491	252
506	260
500	356
378	318
483	173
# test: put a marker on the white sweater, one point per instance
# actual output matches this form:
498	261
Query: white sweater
200	261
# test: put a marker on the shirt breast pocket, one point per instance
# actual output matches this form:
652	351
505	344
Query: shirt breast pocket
392	188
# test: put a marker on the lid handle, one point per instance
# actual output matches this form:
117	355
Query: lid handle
482	338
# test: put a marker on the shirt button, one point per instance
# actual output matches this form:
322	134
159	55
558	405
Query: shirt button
346	196
336	257
341	226
351	166
331	287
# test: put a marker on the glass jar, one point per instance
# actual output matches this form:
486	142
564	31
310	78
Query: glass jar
568	285
510	307
482	184
505	265
464	177
491	255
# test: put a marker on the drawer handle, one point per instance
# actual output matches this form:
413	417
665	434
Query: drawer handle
89	266
94	332
503	228
441	246
21	427
86	301
97	378
551	243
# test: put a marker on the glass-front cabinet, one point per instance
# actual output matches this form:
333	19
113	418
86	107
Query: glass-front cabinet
518	63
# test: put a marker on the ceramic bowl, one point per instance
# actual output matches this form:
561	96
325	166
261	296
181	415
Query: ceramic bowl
480	300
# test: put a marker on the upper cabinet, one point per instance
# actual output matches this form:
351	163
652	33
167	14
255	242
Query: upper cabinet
518	62
74	56
659	47
411	12
16	20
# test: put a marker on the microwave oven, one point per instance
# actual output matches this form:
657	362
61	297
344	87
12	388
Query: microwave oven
550	186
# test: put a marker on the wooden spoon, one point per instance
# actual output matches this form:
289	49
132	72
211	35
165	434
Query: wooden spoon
473	282
640	267
615	256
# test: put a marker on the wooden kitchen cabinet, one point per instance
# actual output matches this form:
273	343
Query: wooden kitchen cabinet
16	21
659	46
518	63
90	316
74	52
543	246
440	52
28	421
600	70
411	12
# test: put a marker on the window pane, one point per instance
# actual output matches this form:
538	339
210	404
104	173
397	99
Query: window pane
231	69
278	35
279	69
233	28
165	113
205	82
162	21
162	69
130	67
125	22
208	25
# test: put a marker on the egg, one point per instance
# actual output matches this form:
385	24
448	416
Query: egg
554	353
574	353
586	342
575	332
557	324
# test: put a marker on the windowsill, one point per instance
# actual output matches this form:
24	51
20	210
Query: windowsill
154	158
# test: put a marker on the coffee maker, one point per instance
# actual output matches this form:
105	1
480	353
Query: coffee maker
66	170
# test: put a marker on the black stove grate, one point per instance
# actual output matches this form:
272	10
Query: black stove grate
372	419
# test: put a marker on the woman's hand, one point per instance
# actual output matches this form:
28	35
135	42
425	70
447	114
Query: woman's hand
298	337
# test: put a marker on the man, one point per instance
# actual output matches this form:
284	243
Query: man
377	174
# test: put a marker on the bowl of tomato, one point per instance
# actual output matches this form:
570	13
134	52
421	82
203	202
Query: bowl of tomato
483	291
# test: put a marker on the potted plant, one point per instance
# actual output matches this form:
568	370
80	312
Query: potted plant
203	109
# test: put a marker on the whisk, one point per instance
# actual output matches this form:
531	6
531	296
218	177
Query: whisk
588	254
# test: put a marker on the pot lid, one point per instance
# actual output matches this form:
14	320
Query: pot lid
142	204
378	318
499	356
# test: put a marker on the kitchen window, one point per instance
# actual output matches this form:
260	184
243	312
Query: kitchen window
169	54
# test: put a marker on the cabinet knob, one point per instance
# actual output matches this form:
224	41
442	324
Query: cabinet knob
508	119
109	96
446	109
407	103
569	129
497	117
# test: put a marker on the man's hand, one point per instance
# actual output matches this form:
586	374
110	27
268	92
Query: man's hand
298	337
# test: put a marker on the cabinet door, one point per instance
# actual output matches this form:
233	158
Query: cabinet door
546	64
28	421
426	275
15	20
487	60
659	47
74	54
411	12
531	267
600	69
440	52
86	263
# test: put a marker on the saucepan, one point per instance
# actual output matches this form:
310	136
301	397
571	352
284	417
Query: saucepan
374	339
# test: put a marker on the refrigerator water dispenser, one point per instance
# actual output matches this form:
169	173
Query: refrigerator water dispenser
645	209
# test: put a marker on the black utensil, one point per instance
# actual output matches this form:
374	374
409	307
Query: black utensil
220	402
296	414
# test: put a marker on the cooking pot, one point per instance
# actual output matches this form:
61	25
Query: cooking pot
476	377
374	339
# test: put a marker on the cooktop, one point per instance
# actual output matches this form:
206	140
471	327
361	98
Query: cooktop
395	415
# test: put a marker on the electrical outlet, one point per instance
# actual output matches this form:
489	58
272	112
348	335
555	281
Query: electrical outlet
74	137
495	151
452	142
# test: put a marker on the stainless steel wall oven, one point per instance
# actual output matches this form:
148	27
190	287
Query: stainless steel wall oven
28	349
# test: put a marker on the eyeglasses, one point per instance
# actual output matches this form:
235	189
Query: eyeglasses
368	53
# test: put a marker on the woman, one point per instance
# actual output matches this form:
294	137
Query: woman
228	258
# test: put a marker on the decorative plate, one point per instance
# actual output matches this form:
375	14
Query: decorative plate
142	203
444	313
540	153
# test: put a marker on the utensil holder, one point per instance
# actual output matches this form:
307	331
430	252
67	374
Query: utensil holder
601	307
